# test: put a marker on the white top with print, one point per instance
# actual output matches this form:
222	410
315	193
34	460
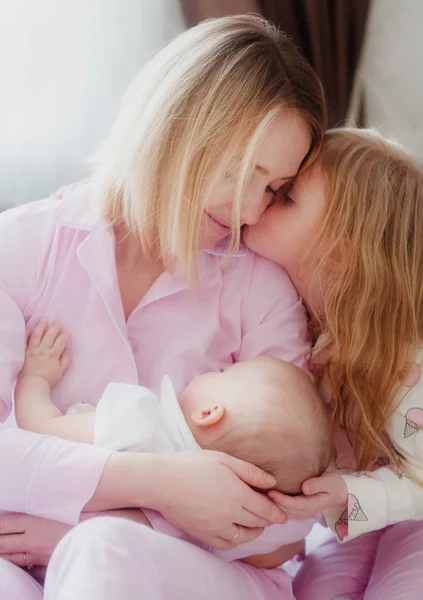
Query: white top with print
382	497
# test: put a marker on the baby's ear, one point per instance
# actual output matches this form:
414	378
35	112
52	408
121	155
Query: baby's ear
209	416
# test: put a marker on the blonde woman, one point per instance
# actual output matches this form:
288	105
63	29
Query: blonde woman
350	234
144	264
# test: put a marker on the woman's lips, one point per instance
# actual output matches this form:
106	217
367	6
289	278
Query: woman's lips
220	225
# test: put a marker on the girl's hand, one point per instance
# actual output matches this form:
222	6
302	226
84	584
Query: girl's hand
319	493
208	496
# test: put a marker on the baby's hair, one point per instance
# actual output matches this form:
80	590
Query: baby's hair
290	435
204	101
302	442
372	324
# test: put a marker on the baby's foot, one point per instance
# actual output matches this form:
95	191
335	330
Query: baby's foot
47	355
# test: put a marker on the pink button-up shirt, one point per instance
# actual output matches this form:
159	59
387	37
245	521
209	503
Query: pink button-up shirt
57	260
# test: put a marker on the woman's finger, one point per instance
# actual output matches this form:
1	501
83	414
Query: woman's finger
263	507
242	535
37	334
20	559
250	519
250	474
50	336
12	544
12	523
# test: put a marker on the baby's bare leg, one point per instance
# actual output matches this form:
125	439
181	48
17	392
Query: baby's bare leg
278	557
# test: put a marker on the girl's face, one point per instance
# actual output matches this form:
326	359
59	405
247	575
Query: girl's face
278	159
285	230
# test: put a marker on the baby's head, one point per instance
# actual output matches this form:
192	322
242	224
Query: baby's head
266	412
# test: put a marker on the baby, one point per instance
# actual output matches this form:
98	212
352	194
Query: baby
263	411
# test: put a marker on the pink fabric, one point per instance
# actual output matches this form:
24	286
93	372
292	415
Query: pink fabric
121	559
384	564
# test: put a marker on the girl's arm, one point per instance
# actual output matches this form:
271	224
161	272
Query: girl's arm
356	503
384	496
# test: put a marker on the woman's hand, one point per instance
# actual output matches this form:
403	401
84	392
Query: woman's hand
208	496
319	493
27	540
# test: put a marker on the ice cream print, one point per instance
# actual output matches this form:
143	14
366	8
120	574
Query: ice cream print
341	527
354	512
413	421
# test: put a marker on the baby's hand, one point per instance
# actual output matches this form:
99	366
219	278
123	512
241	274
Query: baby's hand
46	355
319	493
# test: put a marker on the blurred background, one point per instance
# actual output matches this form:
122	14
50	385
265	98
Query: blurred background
64	65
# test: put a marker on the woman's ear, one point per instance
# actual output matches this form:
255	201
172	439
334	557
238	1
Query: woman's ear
208	416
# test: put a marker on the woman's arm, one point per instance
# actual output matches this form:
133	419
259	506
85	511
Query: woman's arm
39	475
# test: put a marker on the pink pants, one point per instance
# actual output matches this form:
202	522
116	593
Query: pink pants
110	559
382	565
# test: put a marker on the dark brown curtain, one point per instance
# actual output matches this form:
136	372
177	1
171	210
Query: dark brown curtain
330	34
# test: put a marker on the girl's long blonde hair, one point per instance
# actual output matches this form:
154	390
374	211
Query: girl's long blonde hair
206	99
370	269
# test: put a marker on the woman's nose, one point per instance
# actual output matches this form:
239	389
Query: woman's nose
252	209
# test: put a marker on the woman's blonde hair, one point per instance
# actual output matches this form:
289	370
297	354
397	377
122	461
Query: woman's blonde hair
202	102
372	323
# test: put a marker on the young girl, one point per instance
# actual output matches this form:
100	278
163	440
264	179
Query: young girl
350	234
130	263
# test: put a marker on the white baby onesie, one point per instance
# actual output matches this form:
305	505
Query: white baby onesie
131	418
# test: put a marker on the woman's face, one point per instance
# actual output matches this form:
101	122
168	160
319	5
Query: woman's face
285	230
278	160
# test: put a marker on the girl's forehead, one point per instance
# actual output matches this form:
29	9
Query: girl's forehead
310	178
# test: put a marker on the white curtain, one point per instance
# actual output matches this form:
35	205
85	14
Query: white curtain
393	73
64	65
